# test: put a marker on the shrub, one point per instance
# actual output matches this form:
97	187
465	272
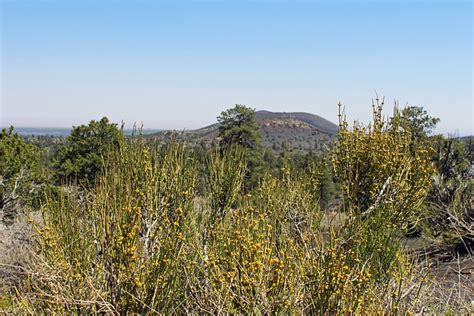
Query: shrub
121	247
225	172
382	169
141	241
22	173
451	216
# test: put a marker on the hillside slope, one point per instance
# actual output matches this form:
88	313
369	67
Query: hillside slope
295	131
280	131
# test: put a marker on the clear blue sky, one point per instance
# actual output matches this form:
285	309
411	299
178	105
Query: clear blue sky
178	64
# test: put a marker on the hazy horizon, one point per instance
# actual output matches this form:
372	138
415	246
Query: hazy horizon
177	65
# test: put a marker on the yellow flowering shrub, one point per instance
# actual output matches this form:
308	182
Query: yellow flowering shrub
380	167
142	241
124	242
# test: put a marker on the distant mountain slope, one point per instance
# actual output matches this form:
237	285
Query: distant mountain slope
295	131
313	120
280	131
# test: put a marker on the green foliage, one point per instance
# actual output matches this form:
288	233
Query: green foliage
451	158
22	173
449	201
418	121
224	178
49	145
385	176
327	188
380	167
80	159
468	142
256	168
238	126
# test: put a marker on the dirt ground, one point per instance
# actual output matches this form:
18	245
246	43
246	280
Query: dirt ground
450	277
450	287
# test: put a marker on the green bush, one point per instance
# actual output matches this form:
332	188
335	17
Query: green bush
80	159
381	168
22	173
450	199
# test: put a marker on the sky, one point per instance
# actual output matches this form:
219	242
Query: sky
178	64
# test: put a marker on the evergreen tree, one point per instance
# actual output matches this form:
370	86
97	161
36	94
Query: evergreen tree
418	121
238	125
80	159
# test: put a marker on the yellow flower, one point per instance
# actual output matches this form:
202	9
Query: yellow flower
139	283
